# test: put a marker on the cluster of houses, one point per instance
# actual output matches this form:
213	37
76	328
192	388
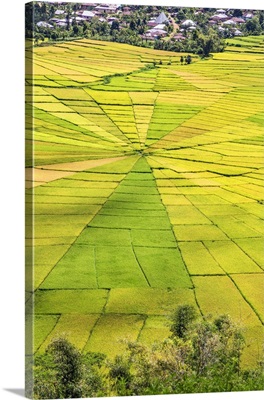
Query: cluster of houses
86	13
158	26
221	20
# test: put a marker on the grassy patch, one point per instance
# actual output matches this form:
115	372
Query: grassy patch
163	267
218	295
75	270
74	327
149	301
251	286
117	266
198	260
231	258
153	238
70	301
253	247
106	237
155	329
43	325
110	332
194	233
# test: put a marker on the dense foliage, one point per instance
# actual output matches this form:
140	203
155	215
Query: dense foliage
202	355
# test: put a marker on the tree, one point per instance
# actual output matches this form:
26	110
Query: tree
205	359
261	19
188	59
132	25
52	11
237	13
85	27
114	26
180	15
54	35
67	360
43	11
252	26
63	372
36	38
181	319
68	16
119	370
75	29
76	7
211	42
28	19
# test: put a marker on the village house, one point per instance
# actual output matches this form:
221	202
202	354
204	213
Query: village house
191	28
161	19
79	20
62	24
188	23
87	15
111	19
156	33
221	29
229	22
152	22
160	26
237	32
44	24
126	11
179	37
59	12
54	20
238	20
248	16
87	6
106	9
220	17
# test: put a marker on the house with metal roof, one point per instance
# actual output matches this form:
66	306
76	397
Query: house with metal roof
188	23
161	19
88	14
44	24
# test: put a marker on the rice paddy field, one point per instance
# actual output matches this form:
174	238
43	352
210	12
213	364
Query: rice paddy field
144	192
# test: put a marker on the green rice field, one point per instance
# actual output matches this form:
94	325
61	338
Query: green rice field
144	191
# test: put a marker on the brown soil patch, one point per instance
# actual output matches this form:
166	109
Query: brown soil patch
42	174
81	165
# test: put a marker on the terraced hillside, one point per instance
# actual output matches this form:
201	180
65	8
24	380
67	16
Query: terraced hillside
148	191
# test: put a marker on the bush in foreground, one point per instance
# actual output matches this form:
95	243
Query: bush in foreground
200	356
64	373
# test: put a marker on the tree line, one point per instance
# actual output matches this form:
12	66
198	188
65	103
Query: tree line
200	356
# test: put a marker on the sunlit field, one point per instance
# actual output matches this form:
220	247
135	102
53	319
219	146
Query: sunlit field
147	184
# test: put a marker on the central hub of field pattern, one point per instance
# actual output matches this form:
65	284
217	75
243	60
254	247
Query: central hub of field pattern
147	193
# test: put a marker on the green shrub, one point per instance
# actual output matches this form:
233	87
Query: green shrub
183	316
201	356
63	372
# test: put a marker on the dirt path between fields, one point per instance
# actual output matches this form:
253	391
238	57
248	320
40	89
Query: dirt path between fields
175	27
46	173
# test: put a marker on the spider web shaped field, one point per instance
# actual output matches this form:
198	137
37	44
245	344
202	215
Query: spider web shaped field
146	190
